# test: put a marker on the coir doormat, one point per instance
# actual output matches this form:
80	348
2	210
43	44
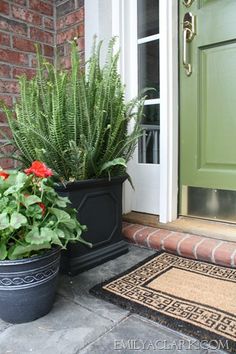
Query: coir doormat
193	297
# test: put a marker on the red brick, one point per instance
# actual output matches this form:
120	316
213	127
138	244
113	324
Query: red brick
71	33
154	240
24	45
29	73
65	62
5	132
65	8
13	26
48	23
224	252
171	243
3	118
204	250
81	45
130	231
6	163
5	39
48	50
9	86
4	7
141	236
70	19
186	247
6	99
34	63
5	71
26	15
12	57
41	36
41	7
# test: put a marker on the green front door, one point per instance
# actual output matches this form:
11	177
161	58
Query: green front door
208	108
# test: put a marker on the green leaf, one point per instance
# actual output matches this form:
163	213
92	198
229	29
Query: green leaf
3	252
62	202
115	162
47	234
19	183
4	221
61	215
57	234
37	237
34	211
21	178
13	189
3	203
17	220
33	236
70	224
19	251
31	199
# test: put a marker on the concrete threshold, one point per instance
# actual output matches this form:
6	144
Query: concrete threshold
201	227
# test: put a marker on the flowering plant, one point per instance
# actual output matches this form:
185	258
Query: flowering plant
33	217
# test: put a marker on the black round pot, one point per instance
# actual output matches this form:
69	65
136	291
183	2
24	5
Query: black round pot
28	286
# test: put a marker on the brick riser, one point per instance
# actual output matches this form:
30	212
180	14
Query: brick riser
186	245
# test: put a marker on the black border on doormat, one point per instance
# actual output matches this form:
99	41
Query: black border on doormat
181	326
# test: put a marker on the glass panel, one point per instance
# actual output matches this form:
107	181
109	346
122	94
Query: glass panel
148	68
151	114
149	144
148	18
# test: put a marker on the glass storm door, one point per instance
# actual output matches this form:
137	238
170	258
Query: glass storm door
208	108
146	169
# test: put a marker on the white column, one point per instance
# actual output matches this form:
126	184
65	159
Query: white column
169	110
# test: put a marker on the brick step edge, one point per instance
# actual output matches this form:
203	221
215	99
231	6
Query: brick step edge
186	245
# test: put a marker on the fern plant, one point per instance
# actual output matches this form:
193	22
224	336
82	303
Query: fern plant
76	121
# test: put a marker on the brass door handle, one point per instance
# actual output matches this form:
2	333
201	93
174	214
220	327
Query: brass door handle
186	64
189	32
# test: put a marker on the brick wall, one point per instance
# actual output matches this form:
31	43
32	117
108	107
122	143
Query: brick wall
52	23
69	24
22	23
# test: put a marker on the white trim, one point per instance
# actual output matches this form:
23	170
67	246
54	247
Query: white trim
109	17
152	101
148	39
168	110
91	24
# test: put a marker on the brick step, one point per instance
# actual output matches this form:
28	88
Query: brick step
184	244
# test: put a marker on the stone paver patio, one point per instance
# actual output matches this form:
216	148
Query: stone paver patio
81	323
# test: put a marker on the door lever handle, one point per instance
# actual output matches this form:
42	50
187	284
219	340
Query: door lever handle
189	32
186	64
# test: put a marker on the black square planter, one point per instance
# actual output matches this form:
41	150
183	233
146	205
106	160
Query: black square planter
99	206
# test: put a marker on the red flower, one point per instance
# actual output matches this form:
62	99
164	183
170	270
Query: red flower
4	175
39	169
43	207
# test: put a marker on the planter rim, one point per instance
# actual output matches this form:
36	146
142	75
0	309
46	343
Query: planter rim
32	259
93	181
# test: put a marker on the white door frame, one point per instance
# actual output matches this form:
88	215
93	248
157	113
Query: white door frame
108	18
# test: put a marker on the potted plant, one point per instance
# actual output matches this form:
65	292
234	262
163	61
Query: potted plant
78	122
35	224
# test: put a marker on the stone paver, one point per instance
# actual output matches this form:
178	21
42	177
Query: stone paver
81	323
136	334
66	329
